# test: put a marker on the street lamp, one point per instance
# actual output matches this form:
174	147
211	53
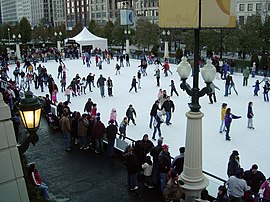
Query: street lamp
192	175
58	42
17	39
166	35
127	32
8	36
30	113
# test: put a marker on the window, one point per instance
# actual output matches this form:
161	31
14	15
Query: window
241	19
250	7
241	7
259	7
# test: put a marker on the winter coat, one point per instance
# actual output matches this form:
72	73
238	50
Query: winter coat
168	106
164	162
111	131
113	115
88	106
223	113
101	81
133	82
154	109
246	72
82	126
142	148
233	165
265	190
131	163
254	180
109	83
130	111
65	125
98	130
147	169
123	126
250	112
229	118
155	151
34	178
237	187
158	120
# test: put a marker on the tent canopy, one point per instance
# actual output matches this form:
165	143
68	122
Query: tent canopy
86	38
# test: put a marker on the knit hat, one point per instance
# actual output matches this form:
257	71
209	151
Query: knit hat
165	146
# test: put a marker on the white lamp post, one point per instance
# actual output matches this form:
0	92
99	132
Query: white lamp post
166	35
58	39
192	175
17	39
8	36
127	33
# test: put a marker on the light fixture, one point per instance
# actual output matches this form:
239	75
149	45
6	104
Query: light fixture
55	34
13	36
20	36
60	33
184	69
208	72
30	112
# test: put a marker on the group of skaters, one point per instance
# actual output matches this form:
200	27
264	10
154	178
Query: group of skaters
227	116
225	70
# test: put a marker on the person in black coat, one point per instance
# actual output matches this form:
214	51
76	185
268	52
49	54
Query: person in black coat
132	165
233	164
142	148
153	112
254	178
164	165
155	151
111	131
178	162
168	106
133	84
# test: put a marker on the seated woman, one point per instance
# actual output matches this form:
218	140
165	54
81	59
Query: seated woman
36	181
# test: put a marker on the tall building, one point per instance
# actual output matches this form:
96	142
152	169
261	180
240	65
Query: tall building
100	10
42	12
59	12
247	8
147	9
9	11
0	13
77	11
24	10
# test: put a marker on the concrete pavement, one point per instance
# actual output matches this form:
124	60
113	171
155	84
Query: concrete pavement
79	175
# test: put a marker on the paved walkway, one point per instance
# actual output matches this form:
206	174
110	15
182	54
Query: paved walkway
81	176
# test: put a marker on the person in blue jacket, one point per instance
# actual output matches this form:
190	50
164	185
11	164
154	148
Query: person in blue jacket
228	120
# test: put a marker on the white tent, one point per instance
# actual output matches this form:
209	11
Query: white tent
86	38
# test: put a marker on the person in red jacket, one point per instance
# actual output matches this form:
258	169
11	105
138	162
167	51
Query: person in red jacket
36	181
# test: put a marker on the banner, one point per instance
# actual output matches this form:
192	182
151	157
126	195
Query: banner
126	17
185	13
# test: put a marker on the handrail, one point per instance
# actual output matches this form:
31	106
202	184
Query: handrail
205	172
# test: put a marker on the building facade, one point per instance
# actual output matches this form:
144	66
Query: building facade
77	11
9	11
247	8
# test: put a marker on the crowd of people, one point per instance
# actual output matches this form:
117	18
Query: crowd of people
86	129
